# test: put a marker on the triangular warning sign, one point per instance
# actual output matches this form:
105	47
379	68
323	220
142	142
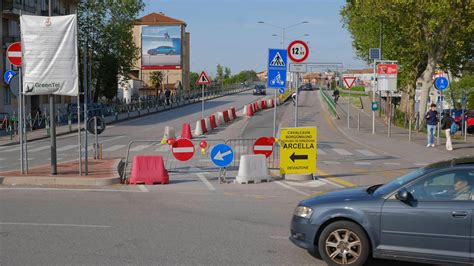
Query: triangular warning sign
203	79
277	60
349	81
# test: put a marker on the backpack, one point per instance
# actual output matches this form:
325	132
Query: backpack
454	128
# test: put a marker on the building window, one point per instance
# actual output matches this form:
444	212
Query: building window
13	28
7	96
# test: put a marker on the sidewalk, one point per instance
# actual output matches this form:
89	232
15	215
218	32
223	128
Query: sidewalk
39	134
101	173
399	137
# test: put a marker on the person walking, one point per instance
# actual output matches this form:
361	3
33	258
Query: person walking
167	96
431	121
446	123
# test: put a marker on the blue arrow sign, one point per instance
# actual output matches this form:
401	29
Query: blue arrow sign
282	90
277	64
222	155
8	76
441	83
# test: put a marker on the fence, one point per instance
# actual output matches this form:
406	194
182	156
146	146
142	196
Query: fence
330	102
199	160
118	111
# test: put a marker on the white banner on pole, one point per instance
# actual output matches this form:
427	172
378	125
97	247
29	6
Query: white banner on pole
50	62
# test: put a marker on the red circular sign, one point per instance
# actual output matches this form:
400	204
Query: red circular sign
14	53
263	145
298	51
183	149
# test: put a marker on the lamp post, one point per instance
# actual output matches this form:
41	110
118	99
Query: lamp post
283	31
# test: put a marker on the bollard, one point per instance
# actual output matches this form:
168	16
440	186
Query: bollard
358	121
409	129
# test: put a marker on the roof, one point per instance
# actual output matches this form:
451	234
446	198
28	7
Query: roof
158	19
361	71
314	75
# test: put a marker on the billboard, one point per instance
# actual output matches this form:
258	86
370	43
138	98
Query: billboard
161	47
50	61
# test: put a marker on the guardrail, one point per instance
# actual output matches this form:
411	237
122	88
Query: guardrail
330	102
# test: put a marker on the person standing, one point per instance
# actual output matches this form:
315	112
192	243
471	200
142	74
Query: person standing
167	96
431	121
446	123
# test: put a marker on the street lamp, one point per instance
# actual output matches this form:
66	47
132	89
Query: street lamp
283	29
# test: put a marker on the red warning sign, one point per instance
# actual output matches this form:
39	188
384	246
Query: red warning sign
349	81
203	79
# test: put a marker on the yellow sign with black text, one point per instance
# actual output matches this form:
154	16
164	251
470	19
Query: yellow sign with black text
298	150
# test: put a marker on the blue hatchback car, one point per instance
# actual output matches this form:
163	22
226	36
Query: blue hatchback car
423	216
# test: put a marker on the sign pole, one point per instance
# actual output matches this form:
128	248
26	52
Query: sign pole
79	131
275	114
96	155
373	99
86	97
25	138
349	109
296	100
20	127
202	104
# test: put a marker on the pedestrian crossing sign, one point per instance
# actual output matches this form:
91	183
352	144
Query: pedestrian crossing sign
277	61
203	79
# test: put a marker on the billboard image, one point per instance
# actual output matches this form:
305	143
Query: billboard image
161	46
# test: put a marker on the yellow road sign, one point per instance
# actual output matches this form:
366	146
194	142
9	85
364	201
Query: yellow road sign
298	150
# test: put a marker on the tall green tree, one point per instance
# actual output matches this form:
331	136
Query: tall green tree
156	79
105	28
220	72
193	76
420	35
227	72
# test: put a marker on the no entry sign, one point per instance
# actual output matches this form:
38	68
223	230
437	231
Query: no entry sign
183	149
14	53
263	145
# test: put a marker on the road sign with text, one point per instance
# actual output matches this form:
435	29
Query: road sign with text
298	51
298	150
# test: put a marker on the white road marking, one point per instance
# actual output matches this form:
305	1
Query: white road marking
391	163
367	153
205	181
143	188
1	159
114	138
291	188
321	152
140	147
39	148
12	149
312	183
69	189
68	147
115	147
330	162
331	183
59	225
342	152
362	163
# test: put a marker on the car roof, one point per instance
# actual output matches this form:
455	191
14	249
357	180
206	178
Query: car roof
469	160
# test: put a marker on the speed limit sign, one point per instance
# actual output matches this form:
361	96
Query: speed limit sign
298	51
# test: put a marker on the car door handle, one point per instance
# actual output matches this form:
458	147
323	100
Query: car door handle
459	214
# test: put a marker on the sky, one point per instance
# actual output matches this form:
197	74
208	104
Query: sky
227	32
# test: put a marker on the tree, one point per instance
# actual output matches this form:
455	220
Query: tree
220	72
156	79
463	87
420	35
226	72
105	28
193	77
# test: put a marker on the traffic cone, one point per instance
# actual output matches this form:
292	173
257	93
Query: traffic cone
249	110
245	111
186	131
234	114
169	134
203	126
212	119
259	104
207	122
198	129
231	116
264	104
220	118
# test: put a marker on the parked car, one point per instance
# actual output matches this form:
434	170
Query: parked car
260	90
468	117
426	216
168	50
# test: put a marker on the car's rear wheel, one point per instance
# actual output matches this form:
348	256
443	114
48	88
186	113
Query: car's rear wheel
344	243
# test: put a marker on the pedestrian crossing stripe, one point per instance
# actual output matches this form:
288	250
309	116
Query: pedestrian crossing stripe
277	60
203	79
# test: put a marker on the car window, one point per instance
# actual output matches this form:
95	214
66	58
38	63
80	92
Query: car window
445	186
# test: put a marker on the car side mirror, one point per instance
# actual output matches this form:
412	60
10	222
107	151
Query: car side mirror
404	196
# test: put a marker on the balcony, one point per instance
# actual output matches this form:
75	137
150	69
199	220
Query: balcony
14	7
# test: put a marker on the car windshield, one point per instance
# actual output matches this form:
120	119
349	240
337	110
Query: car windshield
402	180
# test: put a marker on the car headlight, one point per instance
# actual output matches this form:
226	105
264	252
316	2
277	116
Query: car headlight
303	212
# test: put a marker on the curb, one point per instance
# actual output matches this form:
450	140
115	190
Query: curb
50	180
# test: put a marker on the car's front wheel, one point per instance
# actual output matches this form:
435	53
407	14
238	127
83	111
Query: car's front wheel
344	243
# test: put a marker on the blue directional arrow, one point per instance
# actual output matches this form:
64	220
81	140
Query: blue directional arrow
222	155
9	76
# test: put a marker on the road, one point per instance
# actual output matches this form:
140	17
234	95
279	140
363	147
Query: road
194	219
